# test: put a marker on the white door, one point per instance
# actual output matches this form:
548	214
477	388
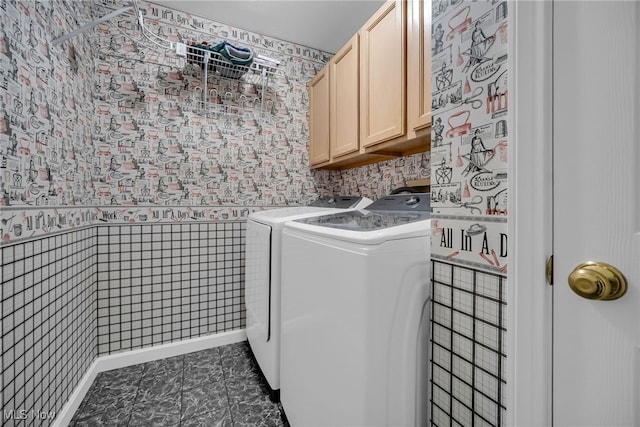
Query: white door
596	208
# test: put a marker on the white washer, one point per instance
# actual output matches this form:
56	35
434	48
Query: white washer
262	277
355	293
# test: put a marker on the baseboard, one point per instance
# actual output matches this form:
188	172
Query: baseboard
66	414
134	357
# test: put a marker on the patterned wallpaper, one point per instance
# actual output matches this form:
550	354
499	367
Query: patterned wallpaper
155	143
46	112
109	127
469	196
470	143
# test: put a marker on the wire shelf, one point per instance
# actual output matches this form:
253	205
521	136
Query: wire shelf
214	62
238	65
211	66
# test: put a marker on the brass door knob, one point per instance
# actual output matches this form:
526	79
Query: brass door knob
597	280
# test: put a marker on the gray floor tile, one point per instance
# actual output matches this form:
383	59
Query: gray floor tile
107	419
250	403
199	401
126	375
151	418
245	388
202	369
110	398
256	413
162	382
237	361
214	387
111	392
170	369
161	406
203	357
221	418
160	388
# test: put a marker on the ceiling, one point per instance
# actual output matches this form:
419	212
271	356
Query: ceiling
322	24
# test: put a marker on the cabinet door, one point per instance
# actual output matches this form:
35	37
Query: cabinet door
419	64
319	118
343	99
382	75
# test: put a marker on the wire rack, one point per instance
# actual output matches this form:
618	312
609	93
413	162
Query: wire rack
228	87
249	99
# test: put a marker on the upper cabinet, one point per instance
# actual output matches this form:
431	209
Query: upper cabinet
419	66
343	100
379	104
382	72
319	119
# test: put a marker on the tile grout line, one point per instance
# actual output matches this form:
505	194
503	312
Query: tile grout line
181	391
226	389
135	399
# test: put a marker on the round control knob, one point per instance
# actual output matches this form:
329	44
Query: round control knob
412	200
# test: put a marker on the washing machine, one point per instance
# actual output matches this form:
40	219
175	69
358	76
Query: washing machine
262	277
355	319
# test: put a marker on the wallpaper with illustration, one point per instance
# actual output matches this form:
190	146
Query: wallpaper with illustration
469	135
469	197
46	114
115	130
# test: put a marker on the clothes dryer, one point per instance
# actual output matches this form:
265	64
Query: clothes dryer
262	277
355	293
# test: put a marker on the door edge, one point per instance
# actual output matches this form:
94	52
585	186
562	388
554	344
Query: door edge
529	331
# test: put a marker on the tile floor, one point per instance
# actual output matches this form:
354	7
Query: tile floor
216	387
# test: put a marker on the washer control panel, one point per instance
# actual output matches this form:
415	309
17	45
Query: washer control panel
339	202
386	212
402	202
